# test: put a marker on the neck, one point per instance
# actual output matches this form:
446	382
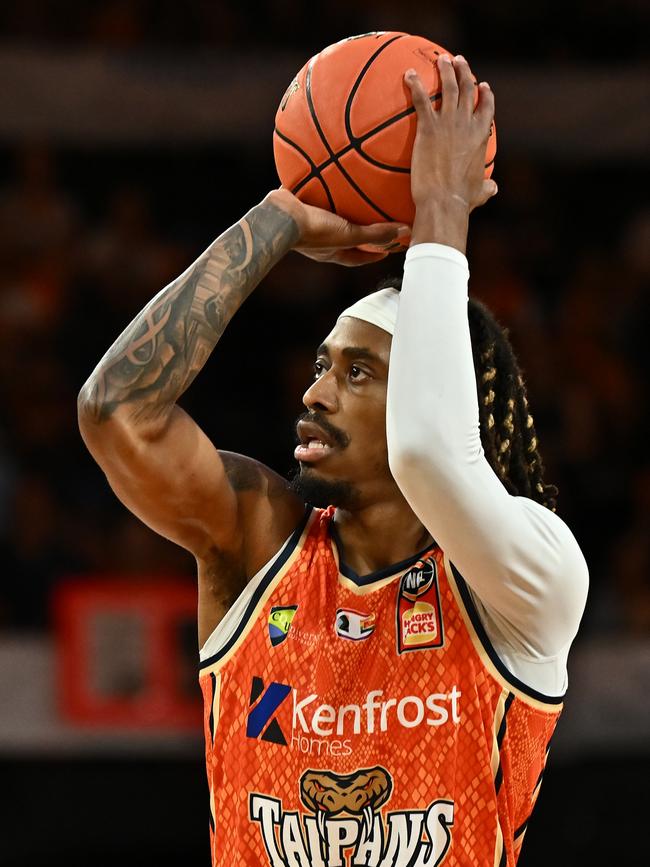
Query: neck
378	535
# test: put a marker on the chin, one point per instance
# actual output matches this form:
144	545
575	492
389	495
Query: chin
319	491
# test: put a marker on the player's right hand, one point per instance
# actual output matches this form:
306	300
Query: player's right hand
326	237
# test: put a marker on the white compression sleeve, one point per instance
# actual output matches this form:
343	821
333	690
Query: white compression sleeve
520	560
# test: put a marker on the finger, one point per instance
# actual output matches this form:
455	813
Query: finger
353	258
420	97
448	84
465	84
378	234
485	108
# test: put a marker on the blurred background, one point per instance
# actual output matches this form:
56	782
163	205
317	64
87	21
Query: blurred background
132	132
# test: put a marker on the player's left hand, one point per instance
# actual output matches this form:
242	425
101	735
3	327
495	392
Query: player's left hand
448	161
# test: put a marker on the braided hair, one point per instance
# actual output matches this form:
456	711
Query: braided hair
507	429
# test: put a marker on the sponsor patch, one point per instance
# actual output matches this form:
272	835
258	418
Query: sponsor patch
354	625
418	612
280	619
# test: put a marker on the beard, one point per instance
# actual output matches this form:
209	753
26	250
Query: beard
312	487
320	492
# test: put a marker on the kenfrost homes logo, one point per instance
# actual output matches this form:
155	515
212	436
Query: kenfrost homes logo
320	729
354	625
343	824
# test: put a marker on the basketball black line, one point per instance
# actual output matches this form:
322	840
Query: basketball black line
314	173
356	141
353	184
349	147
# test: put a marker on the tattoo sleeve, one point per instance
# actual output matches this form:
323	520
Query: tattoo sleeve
158	355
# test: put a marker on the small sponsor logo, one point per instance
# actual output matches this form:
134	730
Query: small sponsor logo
354	625
280	619
419	616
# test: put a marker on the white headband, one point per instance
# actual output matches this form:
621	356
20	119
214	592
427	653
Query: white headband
380	309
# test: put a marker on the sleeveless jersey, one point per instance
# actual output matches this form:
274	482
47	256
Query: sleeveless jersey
366	721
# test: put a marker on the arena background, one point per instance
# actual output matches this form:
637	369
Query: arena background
132	132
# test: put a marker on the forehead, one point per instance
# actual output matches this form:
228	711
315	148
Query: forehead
349	331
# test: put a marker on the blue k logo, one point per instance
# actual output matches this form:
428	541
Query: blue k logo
264	703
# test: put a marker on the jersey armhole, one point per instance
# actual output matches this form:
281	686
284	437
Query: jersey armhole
486	649
231	628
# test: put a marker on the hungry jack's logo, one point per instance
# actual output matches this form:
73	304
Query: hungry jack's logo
418	612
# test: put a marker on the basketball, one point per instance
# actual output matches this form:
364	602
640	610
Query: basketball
345	126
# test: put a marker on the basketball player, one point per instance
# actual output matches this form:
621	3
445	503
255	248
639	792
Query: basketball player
382	674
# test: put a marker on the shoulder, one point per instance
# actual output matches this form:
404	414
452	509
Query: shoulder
268	510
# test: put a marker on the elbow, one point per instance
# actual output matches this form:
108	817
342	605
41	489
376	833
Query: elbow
87	405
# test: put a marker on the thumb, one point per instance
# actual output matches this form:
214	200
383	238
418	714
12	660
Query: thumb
488	190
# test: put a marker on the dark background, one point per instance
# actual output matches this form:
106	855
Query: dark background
96	216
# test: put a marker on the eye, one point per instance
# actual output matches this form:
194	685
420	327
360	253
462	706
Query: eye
356	373
318	369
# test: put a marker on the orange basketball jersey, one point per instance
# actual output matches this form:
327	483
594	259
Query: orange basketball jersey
366	721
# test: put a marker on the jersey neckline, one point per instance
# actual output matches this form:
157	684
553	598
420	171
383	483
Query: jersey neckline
378	574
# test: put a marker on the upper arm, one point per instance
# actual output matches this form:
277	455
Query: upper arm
519	558
212	503
174	481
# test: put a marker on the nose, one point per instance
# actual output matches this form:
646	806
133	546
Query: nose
322	394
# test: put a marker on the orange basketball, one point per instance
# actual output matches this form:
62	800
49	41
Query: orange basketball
344	129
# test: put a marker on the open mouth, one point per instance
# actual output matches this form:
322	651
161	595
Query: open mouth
311	451
314	444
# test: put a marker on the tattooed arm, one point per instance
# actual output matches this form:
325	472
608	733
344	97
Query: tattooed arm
158	461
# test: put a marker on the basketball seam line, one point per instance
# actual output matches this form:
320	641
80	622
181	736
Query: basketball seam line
320	132
314	173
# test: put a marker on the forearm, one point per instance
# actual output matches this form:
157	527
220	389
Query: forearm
160	353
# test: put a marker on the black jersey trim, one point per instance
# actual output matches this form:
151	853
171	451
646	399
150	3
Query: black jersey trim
379	574
213	681
521	829
500	666
253	602
498	779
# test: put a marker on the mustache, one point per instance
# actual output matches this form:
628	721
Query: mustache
337	436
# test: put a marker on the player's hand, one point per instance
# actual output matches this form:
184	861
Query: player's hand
327	237
448	162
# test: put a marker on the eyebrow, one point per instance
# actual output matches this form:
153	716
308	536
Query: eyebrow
352	352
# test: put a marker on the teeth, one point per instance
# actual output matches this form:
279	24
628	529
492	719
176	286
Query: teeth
368	817
320	822
316	444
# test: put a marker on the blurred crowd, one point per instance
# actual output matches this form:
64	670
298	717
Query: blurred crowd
573	32
86	238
